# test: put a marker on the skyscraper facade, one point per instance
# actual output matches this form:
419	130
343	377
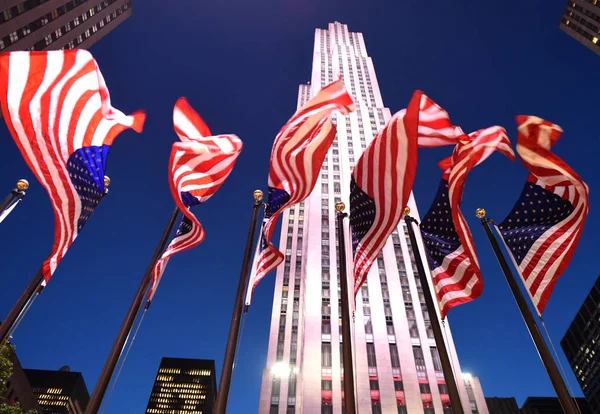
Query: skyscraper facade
185	386
581	344
58	24
581	21
397	366
59	392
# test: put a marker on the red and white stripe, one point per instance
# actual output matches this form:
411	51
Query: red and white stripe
435	127
387	168
551	253
298	153
198	165
55	103
458	279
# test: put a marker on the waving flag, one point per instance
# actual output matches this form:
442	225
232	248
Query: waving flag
298	153
57	108
446	234
383	177
197	168
544	226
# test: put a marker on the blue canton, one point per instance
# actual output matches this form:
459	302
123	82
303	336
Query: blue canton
188	199
437	228
276	199
536	211
362	214
86	171
186	224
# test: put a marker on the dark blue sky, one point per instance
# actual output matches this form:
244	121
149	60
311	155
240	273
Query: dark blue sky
240	63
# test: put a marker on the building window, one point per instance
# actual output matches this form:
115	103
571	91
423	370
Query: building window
394	356
326	355
437	362
425	389
371	356
419	359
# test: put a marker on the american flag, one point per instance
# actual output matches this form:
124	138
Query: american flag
446	234
383	177
544	226
57	108
197	168
298	153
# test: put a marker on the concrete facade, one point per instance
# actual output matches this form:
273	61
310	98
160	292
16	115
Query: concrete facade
58	24
397	368
581	21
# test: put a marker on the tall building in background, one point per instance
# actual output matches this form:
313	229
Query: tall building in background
18	389
184	385
581	345
551	405
59	392
581	21
58	24
502	405
397	368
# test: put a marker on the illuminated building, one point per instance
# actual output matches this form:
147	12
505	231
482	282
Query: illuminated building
59	392
397	365
58	24
581	344
184	386
581	21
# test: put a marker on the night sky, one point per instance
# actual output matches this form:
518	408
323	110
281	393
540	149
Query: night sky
240	63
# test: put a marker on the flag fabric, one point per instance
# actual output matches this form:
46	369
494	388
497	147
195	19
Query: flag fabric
57	108
544	227
383	177
197	168
446	235
296	158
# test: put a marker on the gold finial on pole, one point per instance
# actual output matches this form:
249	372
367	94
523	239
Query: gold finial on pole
340	207
106	181
22	184
258	195
480	213
406	210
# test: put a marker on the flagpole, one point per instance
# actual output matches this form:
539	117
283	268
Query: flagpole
35	286
9	322
566	401
438	336
136	304
16	194
238	307
349	398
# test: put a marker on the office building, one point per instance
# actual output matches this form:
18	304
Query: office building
59	392
551	405
18	389
185	386
502	405
581	345
581	21
58	24
397	366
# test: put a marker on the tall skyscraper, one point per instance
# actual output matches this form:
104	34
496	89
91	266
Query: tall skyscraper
184	385
581	21
581	344
58	24
397	366
59	392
